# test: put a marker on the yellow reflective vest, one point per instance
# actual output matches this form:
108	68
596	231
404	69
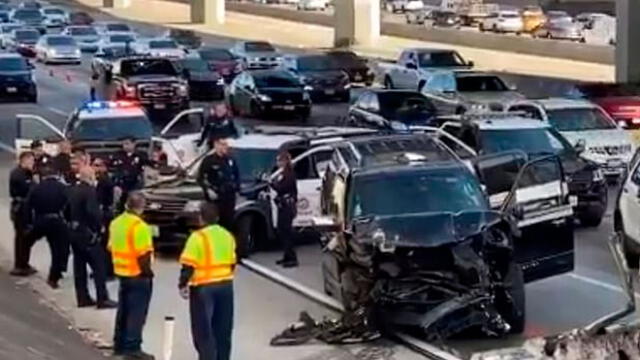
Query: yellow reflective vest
129	238
211	252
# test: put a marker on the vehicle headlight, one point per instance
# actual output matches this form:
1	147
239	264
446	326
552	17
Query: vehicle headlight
305	80
183	90
263	97
77	52
347	86
238	68
598	176
192	206
53	52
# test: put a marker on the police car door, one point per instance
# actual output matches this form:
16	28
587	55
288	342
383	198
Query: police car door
34	127
309	168
180	136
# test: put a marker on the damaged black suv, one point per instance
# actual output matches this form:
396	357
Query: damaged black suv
415	242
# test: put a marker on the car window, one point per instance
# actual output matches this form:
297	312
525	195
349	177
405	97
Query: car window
13	64
277	80
580	119
480	83
107	129
78	31
61	41
216	54
258	46
440	59
118	27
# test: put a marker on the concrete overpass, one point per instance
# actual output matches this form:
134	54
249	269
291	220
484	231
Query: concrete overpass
357	22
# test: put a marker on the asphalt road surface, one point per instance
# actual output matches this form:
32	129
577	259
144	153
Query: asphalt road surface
263	308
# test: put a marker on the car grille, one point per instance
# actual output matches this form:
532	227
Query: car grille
611	150
156	91
580	181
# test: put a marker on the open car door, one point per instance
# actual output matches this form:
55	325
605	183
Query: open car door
34	127
180	136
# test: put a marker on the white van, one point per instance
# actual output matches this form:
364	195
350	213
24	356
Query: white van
600	30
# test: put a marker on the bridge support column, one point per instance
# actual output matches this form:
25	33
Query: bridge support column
628	33
119	4
356	22
209	12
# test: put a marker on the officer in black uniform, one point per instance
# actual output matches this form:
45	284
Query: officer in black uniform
41	158
20	183
128	169
45	206
85	225
219	124
62	162
106	197
220	180
285	186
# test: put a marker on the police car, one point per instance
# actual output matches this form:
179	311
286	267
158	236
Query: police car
98	127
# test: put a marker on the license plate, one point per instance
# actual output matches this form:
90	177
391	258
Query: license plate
155	231
289	107
159	106
614	163
12	90
573	200
329	92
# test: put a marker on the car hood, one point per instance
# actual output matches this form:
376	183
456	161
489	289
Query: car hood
64	49
424	229
92	38
152	78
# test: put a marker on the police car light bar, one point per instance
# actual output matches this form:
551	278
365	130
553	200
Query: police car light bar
99	105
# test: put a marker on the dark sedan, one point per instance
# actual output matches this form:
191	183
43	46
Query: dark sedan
355	66
204	83
392	110
261	93
322	74
16	78
221	61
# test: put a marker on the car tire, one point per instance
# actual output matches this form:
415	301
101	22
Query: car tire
388	83
511	303
250	235
591	217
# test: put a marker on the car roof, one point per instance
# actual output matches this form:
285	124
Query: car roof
562	103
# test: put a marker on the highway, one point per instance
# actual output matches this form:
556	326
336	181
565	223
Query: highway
264	308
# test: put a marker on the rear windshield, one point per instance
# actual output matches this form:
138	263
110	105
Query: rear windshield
53	11
405	106
110	129
258	46
82	31
61	41
440	59
510	15
121	38
216	54
13	64
118	27
346	59
163	44
114	52
277	81
148	67
254	162
480	83
26	35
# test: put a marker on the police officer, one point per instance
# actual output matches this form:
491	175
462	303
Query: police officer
210	292
219	124
131	246
85	223
285	186
45	207
62	162
20	183
106	201
41	158
220	180
128	166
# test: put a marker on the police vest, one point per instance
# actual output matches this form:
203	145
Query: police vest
211	252
129	238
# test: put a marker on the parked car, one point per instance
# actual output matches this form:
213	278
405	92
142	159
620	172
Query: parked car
222	61
85	36
625	222
58	49
418	17
391	110
532	18
80	18
204	83
355	66
322	75
6	31
16	78
620	101
55	17
261	93
309	5
558	27
503	21
257	54
29	17
188	39
457	92
23	41
161	47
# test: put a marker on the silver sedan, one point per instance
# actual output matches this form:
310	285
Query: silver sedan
58	49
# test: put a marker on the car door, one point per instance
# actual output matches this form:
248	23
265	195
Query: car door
34	127
630	203
179	138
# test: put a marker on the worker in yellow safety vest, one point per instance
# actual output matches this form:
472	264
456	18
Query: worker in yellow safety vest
208	264
131	246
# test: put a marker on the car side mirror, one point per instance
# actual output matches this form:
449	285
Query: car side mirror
412	66
470	64
580	146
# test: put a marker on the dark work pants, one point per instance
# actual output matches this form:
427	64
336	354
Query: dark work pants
94	256
55	231
21	250
227	211
106	221
285	231
211	310
133	305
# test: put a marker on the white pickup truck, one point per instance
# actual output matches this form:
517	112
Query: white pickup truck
413	67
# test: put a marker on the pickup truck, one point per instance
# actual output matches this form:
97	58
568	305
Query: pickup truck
413	67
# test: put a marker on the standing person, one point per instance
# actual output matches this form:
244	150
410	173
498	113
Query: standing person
20	183
106	202
45	206
219	174
128	168
95	80
42	159
131	246
62	162
85	223
219	124
206	279
285	186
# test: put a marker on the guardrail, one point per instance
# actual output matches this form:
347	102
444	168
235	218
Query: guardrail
540	47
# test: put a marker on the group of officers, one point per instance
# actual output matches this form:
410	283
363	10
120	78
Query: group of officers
94	208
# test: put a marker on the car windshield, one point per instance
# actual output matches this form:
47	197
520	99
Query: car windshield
405	107
61	41
216	55
121	38
80	31
13	64
54	11
258	46
317	63
27	14
275	80
537	141
148	67
197	65
254	162
579	119
440	59
110	129
416	192
480	83
27	35
118	27
163	44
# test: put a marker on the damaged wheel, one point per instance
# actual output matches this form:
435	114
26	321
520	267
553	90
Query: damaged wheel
511	303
